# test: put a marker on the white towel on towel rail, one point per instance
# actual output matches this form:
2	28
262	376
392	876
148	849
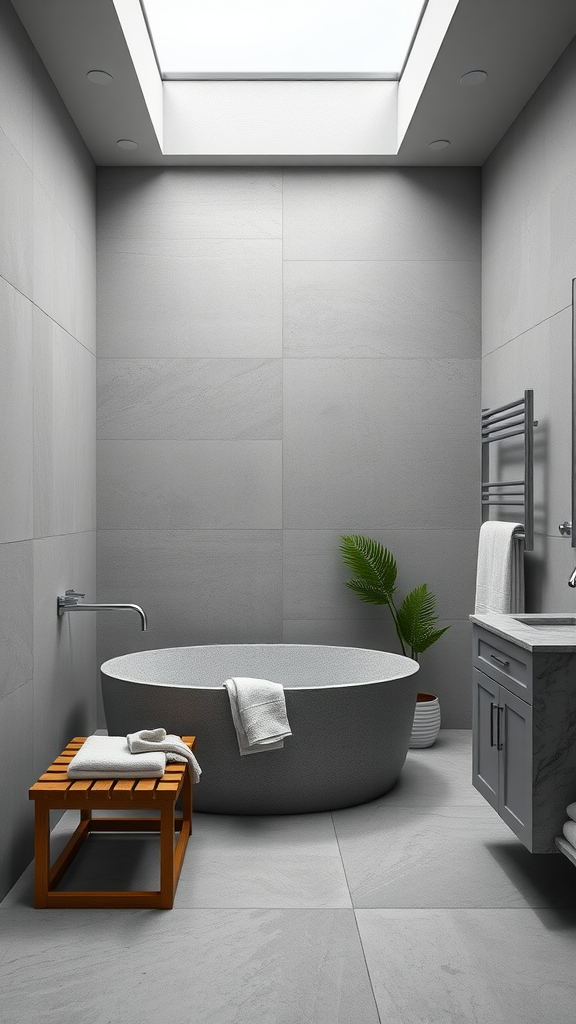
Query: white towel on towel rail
259	713
500	569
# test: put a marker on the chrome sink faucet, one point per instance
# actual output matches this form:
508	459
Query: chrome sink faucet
572	580
71	603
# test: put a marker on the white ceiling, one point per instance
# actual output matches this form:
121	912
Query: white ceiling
515	41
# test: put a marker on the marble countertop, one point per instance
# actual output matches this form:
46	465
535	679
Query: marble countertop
534	635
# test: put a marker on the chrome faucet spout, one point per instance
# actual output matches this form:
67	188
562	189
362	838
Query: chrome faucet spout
71	603
572	580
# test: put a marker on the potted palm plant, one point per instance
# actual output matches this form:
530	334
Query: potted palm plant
374	581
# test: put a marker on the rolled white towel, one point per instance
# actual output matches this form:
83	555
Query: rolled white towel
569	830
259	713
109	757
172	746
571	811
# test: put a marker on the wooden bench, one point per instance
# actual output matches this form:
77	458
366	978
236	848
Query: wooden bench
55	791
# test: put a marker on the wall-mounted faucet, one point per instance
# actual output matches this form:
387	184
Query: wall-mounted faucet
71	603
572	580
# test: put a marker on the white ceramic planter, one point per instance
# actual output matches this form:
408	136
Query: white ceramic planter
426	721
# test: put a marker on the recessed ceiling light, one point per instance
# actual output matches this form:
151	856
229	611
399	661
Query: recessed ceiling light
127	144
99	77
439	144
473	78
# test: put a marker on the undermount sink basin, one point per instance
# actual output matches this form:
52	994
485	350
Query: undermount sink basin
546	620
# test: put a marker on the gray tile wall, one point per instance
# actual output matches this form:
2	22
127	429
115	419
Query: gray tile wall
529	260
285	356
47	426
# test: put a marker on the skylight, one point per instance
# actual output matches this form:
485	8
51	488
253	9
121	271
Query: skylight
282	38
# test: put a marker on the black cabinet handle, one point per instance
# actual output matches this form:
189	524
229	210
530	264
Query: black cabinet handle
492	707
500	729
500	661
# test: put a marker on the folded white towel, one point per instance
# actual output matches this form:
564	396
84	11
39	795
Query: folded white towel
109	757
500	569
172	746
259	714
571	811
569	830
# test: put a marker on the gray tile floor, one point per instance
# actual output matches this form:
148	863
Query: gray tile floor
418	908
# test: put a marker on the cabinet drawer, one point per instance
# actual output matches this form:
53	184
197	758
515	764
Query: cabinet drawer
503	661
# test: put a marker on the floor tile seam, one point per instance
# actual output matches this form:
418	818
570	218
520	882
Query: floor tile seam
341	859
465	909
366	966
426	807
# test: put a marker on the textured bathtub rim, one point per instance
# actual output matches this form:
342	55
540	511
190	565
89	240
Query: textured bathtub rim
295	689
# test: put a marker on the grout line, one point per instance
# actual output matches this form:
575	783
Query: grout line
356	919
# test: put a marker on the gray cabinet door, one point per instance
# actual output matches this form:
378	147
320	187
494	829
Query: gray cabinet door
484	732
515	764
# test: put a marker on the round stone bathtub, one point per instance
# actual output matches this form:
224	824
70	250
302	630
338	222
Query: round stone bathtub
350	711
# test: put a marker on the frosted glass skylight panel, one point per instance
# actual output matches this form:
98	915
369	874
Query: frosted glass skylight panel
282	38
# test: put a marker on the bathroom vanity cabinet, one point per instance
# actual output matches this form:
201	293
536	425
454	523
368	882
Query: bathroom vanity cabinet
524	722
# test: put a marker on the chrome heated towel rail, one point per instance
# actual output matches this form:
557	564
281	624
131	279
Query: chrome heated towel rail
511	420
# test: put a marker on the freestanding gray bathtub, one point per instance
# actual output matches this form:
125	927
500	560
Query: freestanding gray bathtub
350	711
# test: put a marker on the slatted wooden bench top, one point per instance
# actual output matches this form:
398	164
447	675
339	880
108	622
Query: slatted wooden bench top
55	791
61	791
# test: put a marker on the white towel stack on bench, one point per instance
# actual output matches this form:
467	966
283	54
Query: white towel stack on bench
109	757
259	713
147	741
140	755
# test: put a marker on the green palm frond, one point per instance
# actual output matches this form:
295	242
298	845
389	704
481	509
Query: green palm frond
374	569
416	619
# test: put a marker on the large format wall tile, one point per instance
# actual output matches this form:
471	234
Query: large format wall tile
529	227
62	163
64	646
419	309
16	615
16	217
314	574
17	775
225	301
64	431
54	260
47	418
16	84
16	405
192	399
183	485
196	587
404	213
563	242
516	281
380	443
184	203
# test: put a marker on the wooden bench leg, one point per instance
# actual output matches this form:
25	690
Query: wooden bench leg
41	853
167	880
